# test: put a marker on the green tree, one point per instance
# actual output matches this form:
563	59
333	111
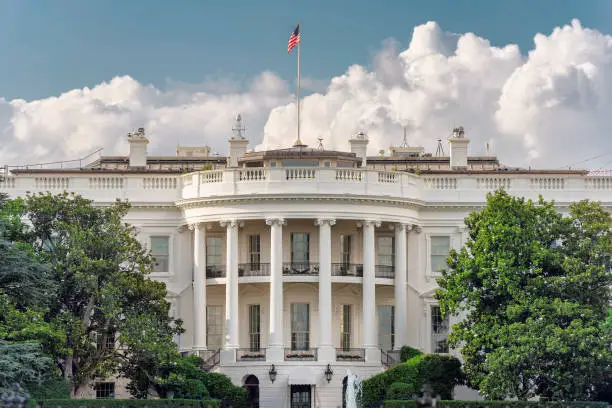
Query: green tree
532	288
22	363
104	298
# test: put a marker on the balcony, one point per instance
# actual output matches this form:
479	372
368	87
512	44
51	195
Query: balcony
309	354
347	269
215	271
251	354
350	354
253	269
385	271
300	268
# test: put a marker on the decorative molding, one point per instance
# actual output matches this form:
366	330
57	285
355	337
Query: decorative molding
417	228
323	221
276	221
374	223
231	223
182	228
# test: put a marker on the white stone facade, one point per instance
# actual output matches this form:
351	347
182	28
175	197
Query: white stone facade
301	267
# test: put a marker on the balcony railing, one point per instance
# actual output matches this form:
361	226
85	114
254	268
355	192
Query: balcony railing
300	268
347	269
253	269
301	355
210	359
385	271
251	355
350	354
390	358
215	271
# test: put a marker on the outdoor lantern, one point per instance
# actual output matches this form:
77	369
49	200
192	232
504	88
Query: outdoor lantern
328	373
272	373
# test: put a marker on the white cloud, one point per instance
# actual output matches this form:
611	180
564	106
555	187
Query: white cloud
546	107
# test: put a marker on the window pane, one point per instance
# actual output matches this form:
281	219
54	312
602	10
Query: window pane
386	327
439	331
440	247
346	249
386	251
214	327
160	253
345	327
254	252
214	248
254	327
300	334
300	247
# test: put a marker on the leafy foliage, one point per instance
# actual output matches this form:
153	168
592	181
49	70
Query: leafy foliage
407	352
98	293
22	363
498	404
441	372
132	403
534	288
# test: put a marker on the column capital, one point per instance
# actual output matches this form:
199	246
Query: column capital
276	221
231	223
199	226
416	228
182	228
324	221
367	223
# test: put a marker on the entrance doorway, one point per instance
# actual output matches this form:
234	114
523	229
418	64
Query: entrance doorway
252	386
301	396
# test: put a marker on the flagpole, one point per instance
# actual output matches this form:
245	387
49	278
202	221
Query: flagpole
298	141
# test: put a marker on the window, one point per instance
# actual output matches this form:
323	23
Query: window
439	331
105	390
386	251
214	251
254	327
345	327
272	164
300	243
214	327
327	164
386	327
300	327
110	341
160	250
254	252
346	250
440	246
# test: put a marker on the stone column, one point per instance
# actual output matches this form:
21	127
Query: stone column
326	350
400	323
199	286
275	350
370	328
231	285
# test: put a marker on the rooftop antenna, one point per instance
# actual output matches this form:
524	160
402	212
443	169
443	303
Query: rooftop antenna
238	128
320	146
405	140
440	149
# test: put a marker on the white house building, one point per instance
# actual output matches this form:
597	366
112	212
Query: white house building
291	266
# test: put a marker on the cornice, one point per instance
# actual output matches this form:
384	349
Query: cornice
346	199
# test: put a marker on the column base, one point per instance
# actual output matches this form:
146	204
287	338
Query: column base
227	356
326	353
275	354
372	355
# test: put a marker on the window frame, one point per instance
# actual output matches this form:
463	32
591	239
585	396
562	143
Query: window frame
169	256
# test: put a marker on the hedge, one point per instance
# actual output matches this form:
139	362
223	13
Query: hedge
500	404
127	403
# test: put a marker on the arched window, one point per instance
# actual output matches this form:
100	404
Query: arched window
344	383
251	384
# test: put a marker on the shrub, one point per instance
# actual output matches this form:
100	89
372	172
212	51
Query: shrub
374	389
407	352
500	404
192	389
54	387
130	403
220	387
401	391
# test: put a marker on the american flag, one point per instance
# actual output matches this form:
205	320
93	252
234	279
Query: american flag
294	39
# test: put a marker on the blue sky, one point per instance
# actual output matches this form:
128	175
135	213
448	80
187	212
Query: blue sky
51	46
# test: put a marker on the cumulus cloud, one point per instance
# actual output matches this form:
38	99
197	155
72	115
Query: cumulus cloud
545	107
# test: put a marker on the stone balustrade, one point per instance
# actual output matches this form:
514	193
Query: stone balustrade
451	188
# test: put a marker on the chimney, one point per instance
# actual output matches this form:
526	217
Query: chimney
138	148
359	146
237	144
458	149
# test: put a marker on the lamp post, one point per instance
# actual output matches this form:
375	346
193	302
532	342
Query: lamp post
272	373
328	373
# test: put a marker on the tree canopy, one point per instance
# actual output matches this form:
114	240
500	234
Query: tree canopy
532	290
76	280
